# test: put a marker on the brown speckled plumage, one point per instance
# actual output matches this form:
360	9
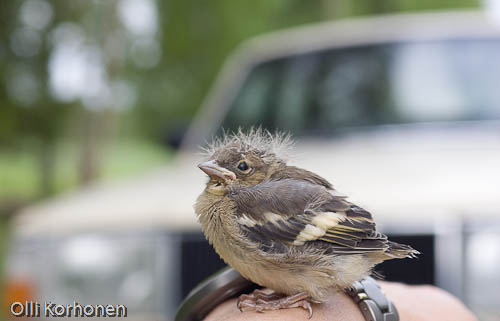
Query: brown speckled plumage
283	227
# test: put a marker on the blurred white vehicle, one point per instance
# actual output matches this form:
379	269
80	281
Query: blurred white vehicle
401	113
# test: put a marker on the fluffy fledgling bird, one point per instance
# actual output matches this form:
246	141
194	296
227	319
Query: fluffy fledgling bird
283	227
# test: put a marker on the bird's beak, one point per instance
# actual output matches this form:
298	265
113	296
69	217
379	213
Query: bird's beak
212	169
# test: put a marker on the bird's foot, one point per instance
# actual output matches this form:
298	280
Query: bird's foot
262	300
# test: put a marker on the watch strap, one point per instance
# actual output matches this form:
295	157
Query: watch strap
219	287
373	304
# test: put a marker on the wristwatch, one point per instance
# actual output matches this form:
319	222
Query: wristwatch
228	283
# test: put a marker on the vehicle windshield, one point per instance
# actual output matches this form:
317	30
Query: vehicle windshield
392	83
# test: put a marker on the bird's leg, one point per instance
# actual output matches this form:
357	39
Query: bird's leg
267	294
268	300
298	300
247	302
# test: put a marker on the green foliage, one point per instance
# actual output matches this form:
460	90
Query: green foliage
198	36
363	7
20	173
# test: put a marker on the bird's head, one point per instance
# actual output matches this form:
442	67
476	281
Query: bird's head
244	158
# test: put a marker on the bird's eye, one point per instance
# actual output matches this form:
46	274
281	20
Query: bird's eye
217	184
243	166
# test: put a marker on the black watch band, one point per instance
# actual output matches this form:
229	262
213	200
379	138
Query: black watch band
373	304
219	287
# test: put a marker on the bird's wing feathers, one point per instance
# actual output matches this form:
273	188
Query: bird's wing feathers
294	212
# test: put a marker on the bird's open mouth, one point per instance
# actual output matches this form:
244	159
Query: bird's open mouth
214	170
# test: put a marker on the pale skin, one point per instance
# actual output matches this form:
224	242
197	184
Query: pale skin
414	303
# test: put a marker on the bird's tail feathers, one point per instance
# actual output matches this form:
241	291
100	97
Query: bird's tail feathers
401	251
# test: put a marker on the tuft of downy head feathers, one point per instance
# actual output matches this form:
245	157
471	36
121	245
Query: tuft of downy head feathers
269	145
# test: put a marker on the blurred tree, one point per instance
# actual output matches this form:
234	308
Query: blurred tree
340	9
28	117
196	38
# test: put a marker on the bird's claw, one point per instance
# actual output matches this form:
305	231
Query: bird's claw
262	300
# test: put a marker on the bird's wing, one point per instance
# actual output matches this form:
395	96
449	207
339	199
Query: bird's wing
295	212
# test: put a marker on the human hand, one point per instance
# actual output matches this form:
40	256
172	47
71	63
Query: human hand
414	303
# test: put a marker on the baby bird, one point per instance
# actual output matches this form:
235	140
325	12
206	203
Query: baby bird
283	227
